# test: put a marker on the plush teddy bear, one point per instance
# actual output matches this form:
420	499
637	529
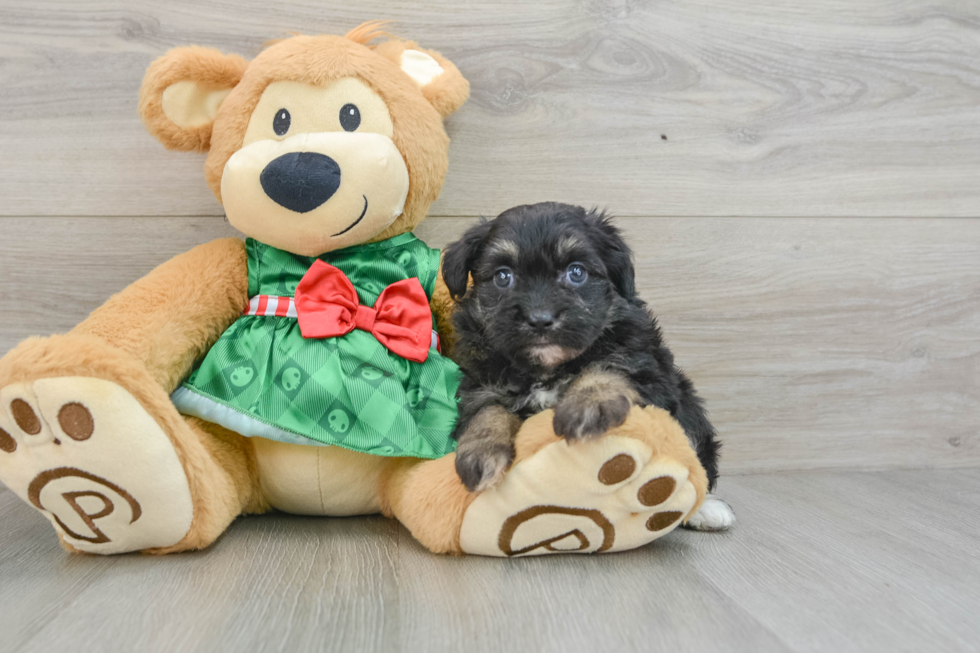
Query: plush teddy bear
301	370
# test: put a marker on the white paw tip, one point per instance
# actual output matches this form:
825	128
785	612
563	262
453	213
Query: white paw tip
713	515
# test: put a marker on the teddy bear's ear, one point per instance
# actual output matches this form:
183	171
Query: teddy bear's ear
440	81
182	91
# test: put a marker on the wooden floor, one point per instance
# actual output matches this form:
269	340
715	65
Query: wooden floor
819	561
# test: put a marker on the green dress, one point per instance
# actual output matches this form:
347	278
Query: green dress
263	378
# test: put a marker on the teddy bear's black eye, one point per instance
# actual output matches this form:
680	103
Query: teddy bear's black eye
350	117
280	124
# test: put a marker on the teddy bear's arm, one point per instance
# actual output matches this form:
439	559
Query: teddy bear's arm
442	310
170	317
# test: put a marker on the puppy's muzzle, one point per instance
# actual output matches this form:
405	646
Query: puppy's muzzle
301	181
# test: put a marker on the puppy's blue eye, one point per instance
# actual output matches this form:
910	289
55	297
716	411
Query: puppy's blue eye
503	278
576	274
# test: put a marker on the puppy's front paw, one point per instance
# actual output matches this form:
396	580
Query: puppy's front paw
482	467
576	419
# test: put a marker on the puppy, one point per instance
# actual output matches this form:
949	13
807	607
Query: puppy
552	320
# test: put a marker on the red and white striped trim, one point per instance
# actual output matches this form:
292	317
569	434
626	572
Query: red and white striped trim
271	306
275	306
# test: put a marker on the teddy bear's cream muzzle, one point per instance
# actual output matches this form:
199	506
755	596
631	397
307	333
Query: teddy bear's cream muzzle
315	192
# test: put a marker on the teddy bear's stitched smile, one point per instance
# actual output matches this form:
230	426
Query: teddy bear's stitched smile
354	224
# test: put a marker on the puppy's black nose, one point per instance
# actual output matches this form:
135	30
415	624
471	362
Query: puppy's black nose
301	181
540	319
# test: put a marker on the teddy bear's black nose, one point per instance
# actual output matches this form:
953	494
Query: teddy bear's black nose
301	181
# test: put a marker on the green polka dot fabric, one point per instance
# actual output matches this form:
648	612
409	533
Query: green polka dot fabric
348	391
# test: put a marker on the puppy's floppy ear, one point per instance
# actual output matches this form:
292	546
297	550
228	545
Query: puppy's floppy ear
614	252
461	257
182	91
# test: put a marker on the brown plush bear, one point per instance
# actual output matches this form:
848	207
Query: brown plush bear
300	370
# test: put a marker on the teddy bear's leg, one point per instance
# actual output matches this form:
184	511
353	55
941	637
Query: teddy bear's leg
89	436
428	498
99	449
625	489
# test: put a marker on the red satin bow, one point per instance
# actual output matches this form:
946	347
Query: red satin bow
401	320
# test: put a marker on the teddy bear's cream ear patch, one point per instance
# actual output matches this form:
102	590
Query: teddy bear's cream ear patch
189	103
438	78
182	91
421	67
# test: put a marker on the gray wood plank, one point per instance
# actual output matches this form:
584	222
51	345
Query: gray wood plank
817	561
37	580
794	108
817	343
59	270
651	600
855	562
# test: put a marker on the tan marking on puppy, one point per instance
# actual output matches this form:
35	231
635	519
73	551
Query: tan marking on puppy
552	355
603	383
595	402
486	448
503	248
568	244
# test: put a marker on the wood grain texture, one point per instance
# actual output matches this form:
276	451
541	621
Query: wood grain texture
817	562
768	108
816	343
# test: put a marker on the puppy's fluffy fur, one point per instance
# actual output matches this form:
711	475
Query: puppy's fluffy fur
552	320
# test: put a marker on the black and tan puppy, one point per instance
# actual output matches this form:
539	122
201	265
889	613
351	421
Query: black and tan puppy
552	320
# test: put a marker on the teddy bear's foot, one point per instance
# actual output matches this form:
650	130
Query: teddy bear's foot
610	494
89	457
